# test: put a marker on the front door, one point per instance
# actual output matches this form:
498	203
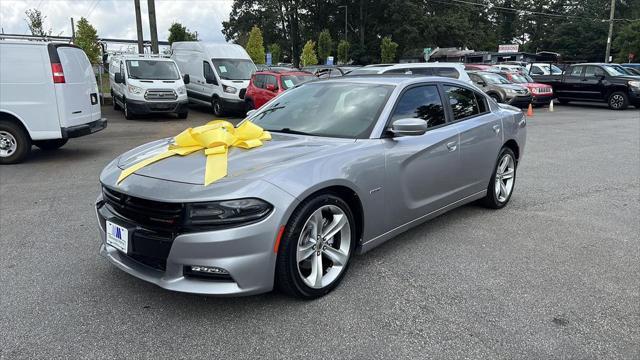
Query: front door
421	171
592	82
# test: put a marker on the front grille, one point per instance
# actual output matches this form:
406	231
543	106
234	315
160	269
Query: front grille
158	94
544	90
147	213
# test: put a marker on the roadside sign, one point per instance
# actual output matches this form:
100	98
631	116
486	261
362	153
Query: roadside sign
427	53
632	56
508	48
269	58
329	60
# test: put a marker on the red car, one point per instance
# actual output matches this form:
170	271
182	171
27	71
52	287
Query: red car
265	85
542	93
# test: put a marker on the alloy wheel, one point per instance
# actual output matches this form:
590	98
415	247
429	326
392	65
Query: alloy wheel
616	101
8	144
505	173
324	245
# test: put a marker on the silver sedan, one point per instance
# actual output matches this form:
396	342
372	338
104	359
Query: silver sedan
352	162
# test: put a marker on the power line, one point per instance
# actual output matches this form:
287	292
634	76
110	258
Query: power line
95	4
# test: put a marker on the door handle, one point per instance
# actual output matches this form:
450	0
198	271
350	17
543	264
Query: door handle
496	129
452	146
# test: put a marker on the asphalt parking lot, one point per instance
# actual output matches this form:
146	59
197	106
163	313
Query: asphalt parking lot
553	275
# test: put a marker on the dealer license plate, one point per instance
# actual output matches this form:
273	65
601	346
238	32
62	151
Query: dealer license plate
117	236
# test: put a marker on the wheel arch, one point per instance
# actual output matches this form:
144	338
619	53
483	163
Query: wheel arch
13	118
513	145
619	88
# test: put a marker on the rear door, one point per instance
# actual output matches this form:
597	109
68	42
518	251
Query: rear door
572	85
78	96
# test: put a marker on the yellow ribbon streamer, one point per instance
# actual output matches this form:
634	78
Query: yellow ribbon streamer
215	138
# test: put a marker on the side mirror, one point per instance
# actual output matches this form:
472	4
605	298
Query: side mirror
409	127
186	79
271	87
118	78
251	112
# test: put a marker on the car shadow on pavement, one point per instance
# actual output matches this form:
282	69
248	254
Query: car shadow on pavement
64	154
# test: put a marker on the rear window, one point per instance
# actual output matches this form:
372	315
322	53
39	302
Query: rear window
446	72
463	102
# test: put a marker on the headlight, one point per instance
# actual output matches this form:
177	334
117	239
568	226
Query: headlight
229	212
634	83
135	89
182	90
229	89
510	91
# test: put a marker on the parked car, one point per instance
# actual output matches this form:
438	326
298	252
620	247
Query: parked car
48	94
144	84
542	93
451	70
265	85
543	69
351	163
633	70
481	67
324	71
218	72
501	89
510	68
595	82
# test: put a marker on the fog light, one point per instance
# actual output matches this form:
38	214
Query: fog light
208	270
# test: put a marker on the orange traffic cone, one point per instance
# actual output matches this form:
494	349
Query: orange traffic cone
530	111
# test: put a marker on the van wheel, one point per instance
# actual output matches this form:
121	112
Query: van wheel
50	144
183	115
115	103
618	101
217	107
15	143
127	114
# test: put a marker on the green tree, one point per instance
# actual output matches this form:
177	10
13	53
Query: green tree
628	41
276	53
255	46
35	22
343	52
87	40
308	56
388	50
325	45
179	32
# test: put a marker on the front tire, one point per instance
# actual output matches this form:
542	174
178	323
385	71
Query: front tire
502	181
496	97
127	113
50	144
15	143
316	247
618	101
217	107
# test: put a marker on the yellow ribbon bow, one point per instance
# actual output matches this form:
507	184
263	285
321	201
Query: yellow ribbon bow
215	138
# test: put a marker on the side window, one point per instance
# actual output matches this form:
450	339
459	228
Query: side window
475	78
259	83
463	102
271	80
422	102
483	107
396	71
593	71
446	72
122	68
422	71
576	71
207	71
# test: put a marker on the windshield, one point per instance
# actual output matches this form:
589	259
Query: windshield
152	70
289	81
521	78
616	70
332	109
234	69
494	79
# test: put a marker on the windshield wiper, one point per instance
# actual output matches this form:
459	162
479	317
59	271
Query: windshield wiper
289	131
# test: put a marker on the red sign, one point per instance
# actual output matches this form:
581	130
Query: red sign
631	56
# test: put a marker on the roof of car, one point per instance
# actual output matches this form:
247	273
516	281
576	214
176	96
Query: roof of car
282	72
394	79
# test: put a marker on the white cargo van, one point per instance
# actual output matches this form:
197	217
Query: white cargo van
219	73
48	94
145	84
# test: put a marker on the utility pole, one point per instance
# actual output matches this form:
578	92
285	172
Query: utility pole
613	10
73	32
151	4
345	20
136	4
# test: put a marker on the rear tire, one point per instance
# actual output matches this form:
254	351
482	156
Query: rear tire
115	103
15	143
331	212
503	180
618	100
50	144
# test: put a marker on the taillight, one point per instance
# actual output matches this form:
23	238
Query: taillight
58	74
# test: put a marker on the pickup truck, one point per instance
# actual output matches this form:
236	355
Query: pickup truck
595	82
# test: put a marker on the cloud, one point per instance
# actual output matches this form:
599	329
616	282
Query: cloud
116	18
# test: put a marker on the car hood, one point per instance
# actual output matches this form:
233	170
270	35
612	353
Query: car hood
283	150
536	85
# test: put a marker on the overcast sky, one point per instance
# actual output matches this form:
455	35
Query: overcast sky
116	18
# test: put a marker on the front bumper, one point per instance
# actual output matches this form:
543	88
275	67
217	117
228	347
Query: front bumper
520	101
148	107
246	253
233	105
634	96
542	99
84	129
